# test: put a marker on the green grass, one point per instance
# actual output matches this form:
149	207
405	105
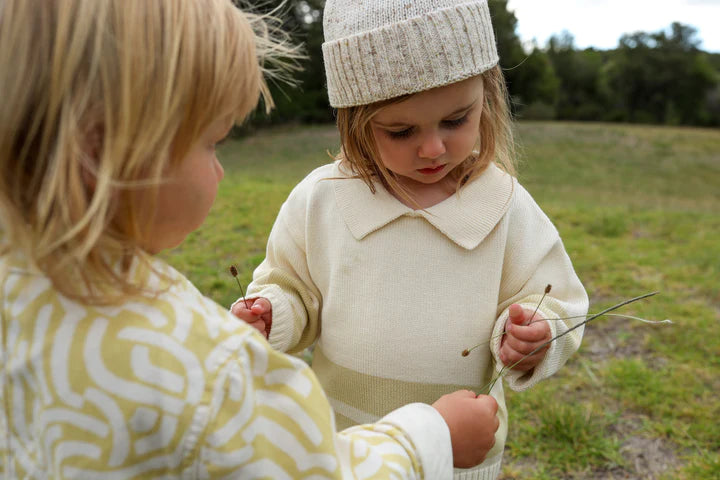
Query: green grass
639	210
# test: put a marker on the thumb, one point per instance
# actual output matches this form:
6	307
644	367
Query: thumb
260	305
516	314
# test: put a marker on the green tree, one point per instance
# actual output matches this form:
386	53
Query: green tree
307	101
536	87
581	95
530	79
662	77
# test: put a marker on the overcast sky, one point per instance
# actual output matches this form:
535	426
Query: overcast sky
600	23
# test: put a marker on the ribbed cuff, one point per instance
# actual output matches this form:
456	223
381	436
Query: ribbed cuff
430	436
488	470
282	328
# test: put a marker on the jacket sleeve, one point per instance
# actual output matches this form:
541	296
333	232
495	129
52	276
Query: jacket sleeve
270	418
534	258
284	279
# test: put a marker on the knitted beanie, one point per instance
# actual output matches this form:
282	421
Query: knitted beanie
380	49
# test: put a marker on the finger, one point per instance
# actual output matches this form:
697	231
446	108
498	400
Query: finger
523	363
237	307
244	314
515	345
489	402
516	314
526	348
536	332
507	354
463	394
259	325
528	363
261	306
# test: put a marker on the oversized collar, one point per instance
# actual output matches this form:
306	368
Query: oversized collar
466	217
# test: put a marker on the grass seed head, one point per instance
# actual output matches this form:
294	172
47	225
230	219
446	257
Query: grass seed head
234	272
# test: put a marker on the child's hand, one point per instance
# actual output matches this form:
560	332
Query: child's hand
472	422
259	313
522	337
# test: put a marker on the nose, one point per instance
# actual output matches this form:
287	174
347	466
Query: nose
432	145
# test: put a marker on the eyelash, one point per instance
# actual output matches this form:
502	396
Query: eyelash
401	134
451	124
456	122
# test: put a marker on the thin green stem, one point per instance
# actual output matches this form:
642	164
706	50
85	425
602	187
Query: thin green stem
467	351
619	315
502	372
234	273
547	290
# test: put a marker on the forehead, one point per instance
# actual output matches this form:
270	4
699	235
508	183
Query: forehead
437	102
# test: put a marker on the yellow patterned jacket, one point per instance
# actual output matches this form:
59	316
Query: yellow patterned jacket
173	386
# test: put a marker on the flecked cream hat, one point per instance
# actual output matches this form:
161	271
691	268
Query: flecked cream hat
380	49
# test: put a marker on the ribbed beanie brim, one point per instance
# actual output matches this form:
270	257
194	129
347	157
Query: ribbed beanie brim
438	47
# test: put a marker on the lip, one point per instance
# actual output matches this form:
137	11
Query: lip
431	171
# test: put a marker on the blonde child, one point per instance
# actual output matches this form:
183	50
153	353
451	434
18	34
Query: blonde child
112	365
417	243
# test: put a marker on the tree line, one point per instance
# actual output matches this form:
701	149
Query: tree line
650	77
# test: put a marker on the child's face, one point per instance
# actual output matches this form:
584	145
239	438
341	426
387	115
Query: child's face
185	199
422	139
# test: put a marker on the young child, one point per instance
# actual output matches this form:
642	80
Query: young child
417	243
112	365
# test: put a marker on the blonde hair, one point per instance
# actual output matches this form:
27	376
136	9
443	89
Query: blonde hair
102	98
359	151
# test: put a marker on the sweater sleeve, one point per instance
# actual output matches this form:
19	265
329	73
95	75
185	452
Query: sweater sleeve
535	257
284	279
270	418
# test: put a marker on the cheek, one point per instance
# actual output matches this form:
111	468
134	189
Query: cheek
396	157
468	136
393	151
383	146
384	150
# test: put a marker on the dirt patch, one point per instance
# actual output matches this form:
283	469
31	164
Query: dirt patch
643	458
649	457
602	342
612	338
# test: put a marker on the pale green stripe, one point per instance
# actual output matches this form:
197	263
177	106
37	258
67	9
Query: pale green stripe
366	398
374	395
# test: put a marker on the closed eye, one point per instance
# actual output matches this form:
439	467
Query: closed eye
456	122
450	123
397	135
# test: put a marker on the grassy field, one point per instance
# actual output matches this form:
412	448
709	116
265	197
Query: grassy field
639	210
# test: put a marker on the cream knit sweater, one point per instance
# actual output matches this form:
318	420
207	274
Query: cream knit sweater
393	295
